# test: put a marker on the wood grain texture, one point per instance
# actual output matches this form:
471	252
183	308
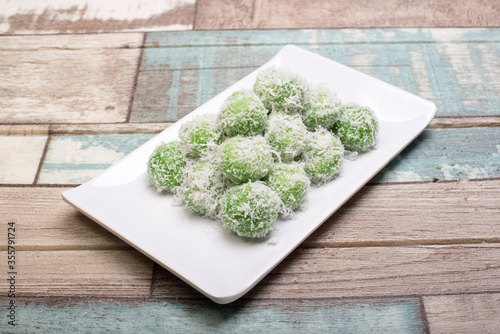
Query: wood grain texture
368	272
378	215
451	154
265	14
181	71
45	222
51	85
20	158
81	273
398	315
476	313
91	16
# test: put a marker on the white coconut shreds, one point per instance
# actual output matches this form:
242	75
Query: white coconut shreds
200	136
286	135
280	90
321	107
256	158
243	113
202	188
245	158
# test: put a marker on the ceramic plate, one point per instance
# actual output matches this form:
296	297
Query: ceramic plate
200	251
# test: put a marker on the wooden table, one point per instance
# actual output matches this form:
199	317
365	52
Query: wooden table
417	250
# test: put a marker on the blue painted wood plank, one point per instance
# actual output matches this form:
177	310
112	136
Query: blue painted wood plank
328	316
456	69
443	154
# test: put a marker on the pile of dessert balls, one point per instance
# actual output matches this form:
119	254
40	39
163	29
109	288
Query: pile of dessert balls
255	158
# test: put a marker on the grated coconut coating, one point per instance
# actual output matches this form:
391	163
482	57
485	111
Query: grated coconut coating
290	182
323	156
321	107
250	210
280	90
357	128
201	136
166	166
243	114
245	159
286	135
202	188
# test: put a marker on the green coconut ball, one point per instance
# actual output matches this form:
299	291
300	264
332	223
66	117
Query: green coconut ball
280	90
321	107
243	114
201	135
166	166
202	188
245	159
250	210
323	156
290	182
357	128
286	135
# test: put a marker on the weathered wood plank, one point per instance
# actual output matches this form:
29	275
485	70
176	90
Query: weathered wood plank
20	158
45	222
202	316
368	272
90	16
174	80
436	154
267	14
381	215
68	86
121	273
77	159
476	313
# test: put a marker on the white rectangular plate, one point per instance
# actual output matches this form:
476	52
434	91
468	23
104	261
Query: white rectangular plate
200	251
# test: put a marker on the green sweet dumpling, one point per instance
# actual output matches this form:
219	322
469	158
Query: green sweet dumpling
243	114
321	108
323	156
280	90
245	159
166	166
357	128
201	136
290	182
287	135
250	210
202	188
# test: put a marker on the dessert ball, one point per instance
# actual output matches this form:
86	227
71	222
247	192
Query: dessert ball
250	210
357	128
243	114
286	135
290	182
201	136
245	159
323	156
166	166
202	188
280	90
321	107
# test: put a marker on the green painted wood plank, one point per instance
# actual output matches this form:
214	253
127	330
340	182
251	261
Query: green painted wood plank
456	69
201	316
449	154
322	36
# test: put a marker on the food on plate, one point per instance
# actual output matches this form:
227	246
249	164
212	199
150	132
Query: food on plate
323	156
286	135
166	166
321	107
243	114
280	90
201	135
245	159
290	182
357	127
250	210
